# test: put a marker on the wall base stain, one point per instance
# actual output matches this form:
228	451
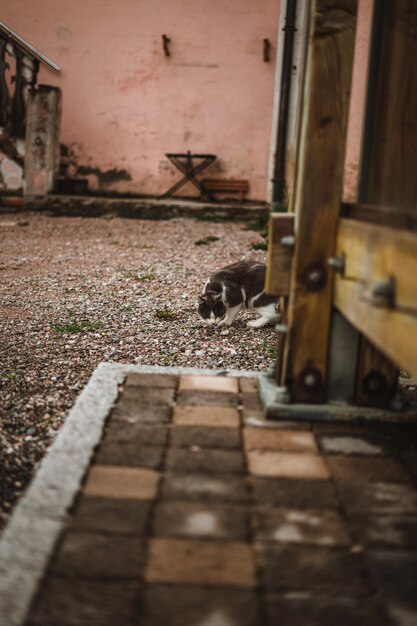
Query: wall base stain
105	177
98	179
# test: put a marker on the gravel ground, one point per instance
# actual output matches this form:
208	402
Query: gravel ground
78	291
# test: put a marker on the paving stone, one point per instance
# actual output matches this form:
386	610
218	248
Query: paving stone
129	455
378	498
110	515
259	420
390	531
248	385
205	437
394	575
377	435
409	461
365	468
85	603
194	606
306	494
210	460
214	417
136	379
142	434
299	611
349	445
148	396
200	520
312	569
353	428
207	398
209	383
391	437
251	401
205	487
282	440
401	616
121	482
402	437
145	405
85	554
285	525
130	411
250	415
209	563
287	465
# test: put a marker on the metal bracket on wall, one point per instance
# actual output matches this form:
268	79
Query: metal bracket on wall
267	50
165	41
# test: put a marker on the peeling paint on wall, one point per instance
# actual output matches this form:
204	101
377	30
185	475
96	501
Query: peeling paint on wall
11	174
105	177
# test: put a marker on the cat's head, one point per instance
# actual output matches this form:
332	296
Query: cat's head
211	307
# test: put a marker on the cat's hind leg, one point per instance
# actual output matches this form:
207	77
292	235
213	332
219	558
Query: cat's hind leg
268	315
231	313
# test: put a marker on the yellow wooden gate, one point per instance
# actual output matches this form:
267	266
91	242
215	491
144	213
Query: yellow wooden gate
348	272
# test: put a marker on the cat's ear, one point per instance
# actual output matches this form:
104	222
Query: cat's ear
217	297
202	299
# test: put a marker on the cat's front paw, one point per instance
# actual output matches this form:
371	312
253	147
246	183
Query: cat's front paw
258	323
224	322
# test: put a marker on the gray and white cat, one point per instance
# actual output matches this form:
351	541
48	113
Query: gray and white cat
236	287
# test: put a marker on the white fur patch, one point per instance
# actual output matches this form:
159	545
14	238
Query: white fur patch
252	300
224	294
230	316
268	315
211	319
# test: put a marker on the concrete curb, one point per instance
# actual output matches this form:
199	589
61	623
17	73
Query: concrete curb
29	539
275	401
143	208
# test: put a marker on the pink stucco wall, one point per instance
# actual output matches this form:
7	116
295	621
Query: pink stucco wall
125	104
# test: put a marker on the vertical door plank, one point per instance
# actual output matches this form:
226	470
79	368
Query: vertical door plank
388	170
318	192
281	226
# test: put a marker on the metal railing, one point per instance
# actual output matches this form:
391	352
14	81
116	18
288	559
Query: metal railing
13	106
16	39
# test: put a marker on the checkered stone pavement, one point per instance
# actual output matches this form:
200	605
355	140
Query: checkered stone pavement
191	515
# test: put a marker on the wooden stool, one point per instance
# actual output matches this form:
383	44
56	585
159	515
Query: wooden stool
221	185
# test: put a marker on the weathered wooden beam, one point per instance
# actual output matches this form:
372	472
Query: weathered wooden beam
392	331
376	254
379	214
317	194
377	293
280	253
390	142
